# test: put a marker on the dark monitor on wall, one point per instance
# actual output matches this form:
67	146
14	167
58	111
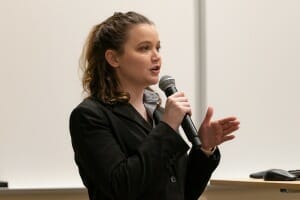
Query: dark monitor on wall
3	184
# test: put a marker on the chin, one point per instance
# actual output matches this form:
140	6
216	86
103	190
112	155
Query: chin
151	82
154	80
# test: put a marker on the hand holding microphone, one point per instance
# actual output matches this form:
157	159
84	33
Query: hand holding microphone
176	107
212	133
178	110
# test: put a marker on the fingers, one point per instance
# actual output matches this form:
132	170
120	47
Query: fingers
179	100
227	138
177	106
208	116
229	127
226	120
229	124
230	130
225	133
226	127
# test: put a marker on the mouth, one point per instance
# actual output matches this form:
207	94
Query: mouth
155	68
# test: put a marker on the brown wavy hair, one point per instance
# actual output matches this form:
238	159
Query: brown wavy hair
99	78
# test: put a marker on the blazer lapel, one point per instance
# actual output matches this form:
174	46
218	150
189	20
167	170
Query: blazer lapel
127	111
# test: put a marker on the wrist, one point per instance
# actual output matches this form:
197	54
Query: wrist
170	124
207	148
208	151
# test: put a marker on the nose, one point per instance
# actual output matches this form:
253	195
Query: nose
155	55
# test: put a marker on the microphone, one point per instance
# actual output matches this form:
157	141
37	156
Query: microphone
167	84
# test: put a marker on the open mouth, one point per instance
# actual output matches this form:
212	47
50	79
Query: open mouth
155	68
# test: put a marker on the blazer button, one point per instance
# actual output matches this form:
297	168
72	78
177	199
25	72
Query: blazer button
173	179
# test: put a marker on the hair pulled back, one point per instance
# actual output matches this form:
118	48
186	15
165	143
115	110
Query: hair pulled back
99	78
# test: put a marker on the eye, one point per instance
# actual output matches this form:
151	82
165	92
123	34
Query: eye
158	48
144	48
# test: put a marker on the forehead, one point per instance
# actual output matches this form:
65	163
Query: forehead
142	33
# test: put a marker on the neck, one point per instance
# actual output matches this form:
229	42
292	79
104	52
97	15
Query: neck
136	100
136	94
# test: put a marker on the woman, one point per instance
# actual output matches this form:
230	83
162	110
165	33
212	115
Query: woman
126	145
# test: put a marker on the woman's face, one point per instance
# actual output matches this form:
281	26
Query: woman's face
140	62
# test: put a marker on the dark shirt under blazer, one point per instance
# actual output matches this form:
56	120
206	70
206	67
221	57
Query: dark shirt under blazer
120	156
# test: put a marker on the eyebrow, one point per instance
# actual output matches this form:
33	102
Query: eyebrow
147	42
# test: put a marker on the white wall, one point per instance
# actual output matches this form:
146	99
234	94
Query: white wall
248	54
41	41
252	71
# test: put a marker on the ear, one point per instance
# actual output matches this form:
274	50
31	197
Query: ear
111	57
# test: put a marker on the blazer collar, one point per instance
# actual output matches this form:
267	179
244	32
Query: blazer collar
151	101
127	111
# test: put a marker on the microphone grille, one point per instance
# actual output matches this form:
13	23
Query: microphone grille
165	82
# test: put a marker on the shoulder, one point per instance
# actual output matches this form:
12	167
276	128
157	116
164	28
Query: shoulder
91	103
89	108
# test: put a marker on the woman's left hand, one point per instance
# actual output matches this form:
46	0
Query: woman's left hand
213	133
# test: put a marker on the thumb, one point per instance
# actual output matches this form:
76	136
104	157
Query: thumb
208	115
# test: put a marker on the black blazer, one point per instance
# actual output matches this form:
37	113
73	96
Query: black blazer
120	156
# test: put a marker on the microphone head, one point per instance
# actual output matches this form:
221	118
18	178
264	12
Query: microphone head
165	82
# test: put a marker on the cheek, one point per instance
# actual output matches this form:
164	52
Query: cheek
139	61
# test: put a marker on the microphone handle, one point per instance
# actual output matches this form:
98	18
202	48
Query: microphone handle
187	123
190	131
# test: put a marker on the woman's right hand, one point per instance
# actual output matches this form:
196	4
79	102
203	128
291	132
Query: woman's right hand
177	106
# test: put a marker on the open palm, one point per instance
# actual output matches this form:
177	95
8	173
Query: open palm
213	133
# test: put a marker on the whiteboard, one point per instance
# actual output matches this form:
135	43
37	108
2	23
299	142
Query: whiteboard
41	42
252	71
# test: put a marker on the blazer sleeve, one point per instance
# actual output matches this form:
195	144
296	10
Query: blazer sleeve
104	167
199	170
199	167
